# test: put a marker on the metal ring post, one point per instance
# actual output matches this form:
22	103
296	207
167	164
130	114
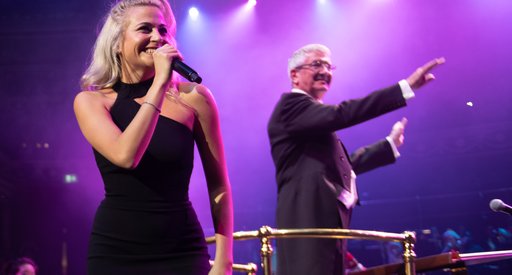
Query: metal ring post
409	255
265	233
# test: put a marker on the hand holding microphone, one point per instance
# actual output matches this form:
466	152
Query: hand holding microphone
176	65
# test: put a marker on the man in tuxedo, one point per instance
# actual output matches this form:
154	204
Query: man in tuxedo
315	174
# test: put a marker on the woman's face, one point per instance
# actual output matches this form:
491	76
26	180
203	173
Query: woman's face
145	31
26	269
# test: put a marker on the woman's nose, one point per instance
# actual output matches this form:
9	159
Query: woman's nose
156	36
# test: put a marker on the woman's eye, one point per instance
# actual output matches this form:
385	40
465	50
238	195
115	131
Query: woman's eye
162	31
145	29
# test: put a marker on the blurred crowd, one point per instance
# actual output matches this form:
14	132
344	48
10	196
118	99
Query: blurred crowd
433	241
19	266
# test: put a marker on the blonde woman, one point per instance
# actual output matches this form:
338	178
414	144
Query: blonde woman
142	124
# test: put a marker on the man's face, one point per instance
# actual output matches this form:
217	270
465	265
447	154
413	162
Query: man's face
314	76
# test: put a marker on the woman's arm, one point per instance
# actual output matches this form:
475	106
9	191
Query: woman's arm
211	149
125	148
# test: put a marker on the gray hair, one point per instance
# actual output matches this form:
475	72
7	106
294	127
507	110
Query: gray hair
105	67
299	56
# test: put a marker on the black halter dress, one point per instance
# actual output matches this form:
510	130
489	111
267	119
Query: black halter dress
146	223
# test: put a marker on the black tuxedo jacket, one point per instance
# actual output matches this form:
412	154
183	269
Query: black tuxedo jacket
309	159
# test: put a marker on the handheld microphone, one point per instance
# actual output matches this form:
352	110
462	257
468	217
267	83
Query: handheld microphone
184	70
498	205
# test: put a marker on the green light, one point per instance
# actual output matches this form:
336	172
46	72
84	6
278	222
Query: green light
70	178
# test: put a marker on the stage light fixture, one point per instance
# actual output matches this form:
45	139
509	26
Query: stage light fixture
251	3
193	13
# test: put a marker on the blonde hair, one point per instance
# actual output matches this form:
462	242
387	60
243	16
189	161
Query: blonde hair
299	56
105	67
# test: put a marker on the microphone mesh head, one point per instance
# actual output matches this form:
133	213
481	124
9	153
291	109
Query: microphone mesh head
496	204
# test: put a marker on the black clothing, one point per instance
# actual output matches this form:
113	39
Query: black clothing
312	166
146	223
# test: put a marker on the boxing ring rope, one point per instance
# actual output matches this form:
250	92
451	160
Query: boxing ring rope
266	233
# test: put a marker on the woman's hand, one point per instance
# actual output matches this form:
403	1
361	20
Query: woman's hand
163	58
221	269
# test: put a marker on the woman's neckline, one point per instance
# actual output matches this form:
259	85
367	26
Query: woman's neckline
132	90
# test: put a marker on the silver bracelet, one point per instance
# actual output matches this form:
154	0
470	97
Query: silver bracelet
153	105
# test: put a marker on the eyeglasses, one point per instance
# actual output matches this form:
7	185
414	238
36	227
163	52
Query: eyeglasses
318	65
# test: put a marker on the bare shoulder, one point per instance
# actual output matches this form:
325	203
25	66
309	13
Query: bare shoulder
197	96
195	91
104	97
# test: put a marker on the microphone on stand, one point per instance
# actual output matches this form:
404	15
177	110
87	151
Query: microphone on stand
184	70
498	205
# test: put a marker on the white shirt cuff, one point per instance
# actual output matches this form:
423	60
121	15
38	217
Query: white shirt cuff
407	91
393	147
